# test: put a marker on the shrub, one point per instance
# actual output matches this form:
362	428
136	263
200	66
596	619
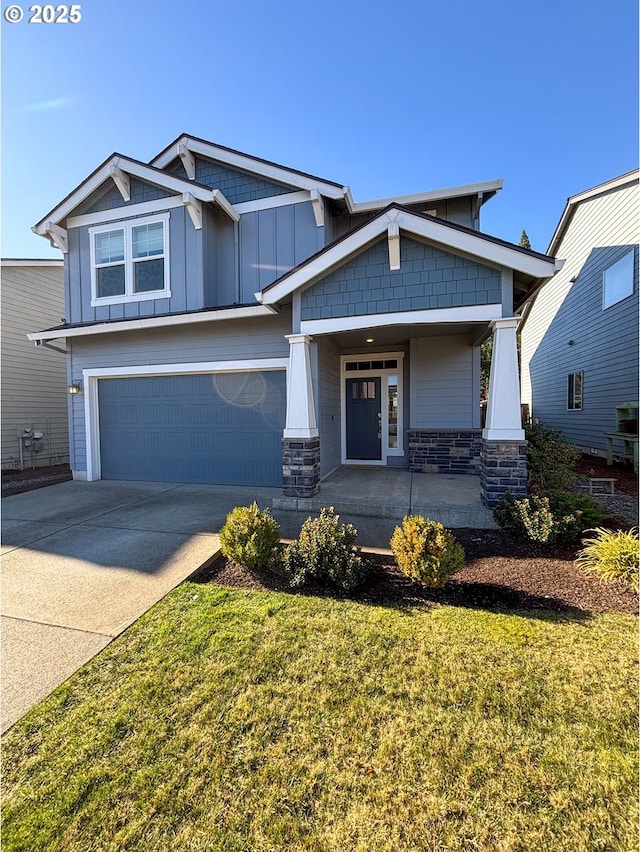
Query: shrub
528	517
426	551
559	517
551	461
573	514
613	556
250	537
325	551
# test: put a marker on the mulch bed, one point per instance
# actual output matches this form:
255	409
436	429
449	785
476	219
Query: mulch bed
500	573
17	481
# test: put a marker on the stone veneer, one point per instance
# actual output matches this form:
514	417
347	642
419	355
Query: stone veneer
300	467
445	451
503	468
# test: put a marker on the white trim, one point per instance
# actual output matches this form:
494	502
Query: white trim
154	322
236	159
471	313
25	261
383	375
145	173
91	377
430	195
194	209
129	262
57	236
445	236
118	214
274	201
393	240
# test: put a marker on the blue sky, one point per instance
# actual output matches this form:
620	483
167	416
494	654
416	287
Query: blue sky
387	98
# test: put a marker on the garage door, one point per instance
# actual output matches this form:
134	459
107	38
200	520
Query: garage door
223	428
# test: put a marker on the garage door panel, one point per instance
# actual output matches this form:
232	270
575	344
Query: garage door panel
224	429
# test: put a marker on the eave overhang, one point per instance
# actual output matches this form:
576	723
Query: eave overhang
166	321
118	168
247	163
394	220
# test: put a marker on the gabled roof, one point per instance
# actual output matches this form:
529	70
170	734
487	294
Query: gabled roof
248	163
302	180
395	219
114	167
574	200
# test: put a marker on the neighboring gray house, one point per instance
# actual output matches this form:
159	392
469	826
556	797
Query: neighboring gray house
230	320
34	380
580	333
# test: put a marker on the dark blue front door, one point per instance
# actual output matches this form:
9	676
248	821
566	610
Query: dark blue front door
364	439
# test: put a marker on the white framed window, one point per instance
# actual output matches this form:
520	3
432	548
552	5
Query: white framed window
574	391
130	261
617	280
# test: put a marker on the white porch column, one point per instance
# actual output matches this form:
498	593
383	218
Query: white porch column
504	420
301	414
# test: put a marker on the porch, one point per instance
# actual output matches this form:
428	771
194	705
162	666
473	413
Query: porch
384	492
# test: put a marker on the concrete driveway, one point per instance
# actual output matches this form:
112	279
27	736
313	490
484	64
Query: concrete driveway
81	561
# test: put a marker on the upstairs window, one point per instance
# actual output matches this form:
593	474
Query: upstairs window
130	262
618	280
574	391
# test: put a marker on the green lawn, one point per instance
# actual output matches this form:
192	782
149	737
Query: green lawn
230	720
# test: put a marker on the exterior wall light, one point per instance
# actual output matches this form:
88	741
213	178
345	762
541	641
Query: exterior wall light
76	387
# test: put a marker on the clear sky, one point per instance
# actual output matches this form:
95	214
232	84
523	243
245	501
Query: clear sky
389	98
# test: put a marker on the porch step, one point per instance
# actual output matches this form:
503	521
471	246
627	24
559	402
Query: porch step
385	493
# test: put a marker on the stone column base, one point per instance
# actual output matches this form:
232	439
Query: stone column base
503	468
300	467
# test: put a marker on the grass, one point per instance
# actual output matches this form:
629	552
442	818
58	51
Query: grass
233	720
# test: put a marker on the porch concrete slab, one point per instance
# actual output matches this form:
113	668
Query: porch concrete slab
190	509
76	501
393	493
20	533
90	579
36	658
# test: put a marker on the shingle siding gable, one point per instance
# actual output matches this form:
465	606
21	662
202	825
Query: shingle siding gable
236	186
427	278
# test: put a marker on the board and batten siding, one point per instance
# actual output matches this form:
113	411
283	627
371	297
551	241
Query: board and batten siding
234	340
444	383
326	379
34	379
604	343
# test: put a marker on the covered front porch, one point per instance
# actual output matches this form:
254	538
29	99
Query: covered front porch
387	492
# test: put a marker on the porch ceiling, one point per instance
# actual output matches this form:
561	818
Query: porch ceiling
397	335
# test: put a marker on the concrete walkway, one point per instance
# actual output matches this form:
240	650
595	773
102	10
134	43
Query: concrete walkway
81	561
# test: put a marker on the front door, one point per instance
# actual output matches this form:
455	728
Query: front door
363	414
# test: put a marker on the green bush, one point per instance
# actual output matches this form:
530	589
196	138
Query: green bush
551	462
250	537
325	551
573	514
613	556
426	551
545	520
528	517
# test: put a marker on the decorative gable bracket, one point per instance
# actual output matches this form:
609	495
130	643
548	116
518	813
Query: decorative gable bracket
121	180
318	207
57	236
194	208
393	239
188	160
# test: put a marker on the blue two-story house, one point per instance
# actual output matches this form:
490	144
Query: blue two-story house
230	320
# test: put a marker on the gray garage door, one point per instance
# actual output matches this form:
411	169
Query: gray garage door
223	428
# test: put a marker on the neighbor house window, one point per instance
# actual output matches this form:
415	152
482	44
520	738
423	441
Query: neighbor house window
130	261
574	392
618	280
